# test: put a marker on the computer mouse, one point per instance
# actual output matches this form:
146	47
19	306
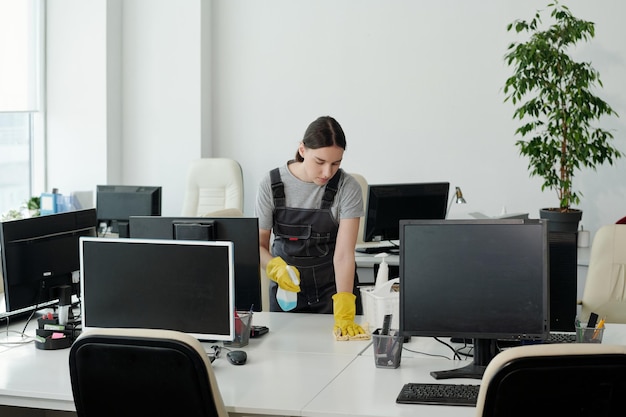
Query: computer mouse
237	357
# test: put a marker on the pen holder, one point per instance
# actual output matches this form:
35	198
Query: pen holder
586	334
387	349
243	321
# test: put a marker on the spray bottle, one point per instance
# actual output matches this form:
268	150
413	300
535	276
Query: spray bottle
287	300
383	271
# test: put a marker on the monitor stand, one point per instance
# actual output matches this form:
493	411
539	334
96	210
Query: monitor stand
484	351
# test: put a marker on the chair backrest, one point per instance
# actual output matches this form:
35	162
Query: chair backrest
605	285
363	183
142	372
229	212
566	379
213	184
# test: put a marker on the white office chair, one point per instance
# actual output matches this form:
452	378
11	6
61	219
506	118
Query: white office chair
229	212
213	184
564	379
142	372
364	187
605	285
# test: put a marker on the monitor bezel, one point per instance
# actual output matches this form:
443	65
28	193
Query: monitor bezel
114	209
376	193
541	330
164	313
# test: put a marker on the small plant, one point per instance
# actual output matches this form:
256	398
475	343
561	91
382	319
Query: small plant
556	104
11	215
30	208
34	203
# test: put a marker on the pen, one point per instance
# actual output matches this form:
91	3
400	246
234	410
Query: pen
386	325
597	331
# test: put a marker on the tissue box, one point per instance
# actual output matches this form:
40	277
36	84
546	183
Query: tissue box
377	303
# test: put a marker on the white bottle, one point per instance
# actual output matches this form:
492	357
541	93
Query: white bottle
383	271
287	300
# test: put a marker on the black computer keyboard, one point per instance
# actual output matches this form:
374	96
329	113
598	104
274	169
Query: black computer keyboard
378	249
439	393
556	337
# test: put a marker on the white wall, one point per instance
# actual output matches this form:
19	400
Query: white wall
78	134
415	84
163	109
124	93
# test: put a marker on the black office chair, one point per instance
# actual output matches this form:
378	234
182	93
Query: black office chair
568	379
142	372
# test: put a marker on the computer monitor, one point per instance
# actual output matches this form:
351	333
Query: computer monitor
242	231
389	203
158	284
40	258
116	203
485	280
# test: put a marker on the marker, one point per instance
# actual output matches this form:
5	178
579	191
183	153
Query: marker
596	333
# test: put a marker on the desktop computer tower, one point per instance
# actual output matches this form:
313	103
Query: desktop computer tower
563	269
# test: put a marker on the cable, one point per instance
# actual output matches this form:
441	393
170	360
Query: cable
426	353
456	353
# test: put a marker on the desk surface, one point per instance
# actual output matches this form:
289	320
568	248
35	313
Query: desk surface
364	390
286	368
298	368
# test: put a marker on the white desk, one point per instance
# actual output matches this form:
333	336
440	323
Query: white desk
286	368
296	369
364	390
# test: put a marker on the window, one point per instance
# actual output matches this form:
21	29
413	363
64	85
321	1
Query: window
15	141
21	116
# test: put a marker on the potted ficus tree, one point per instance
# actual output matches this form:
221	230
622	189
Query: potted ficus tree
555	102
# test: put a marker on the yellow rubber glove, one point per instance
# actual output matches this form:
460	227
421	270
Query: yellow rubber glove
277	271
344	309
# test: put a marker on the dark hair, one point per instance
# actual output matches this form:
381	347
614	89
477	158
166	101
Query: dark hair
321	133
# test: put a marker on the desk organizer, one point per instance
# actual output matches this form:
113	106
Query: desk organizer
377	303
387	349
243	322
48	332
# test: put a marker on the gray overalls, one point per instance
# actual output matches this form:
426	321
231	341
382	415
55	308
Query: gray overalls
306	238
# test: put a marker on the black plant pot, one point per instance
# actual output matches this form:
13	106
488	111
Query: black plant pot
561	221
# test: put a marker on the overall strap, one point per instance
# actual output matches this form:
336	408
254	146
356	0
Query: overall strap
278	188
331	190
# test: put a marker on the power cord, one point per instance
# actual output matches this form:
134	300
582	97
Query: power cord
24	338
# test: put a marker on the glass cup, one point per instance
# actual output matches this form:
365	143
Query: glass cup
586	334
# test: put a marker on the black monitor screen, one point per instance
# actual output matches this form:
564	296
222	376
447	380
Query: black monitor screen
158	284
116	203
242	231
40	255
485	280
390	203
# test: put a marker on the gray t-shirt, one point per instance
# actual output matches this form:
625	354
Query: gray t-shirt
348	202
